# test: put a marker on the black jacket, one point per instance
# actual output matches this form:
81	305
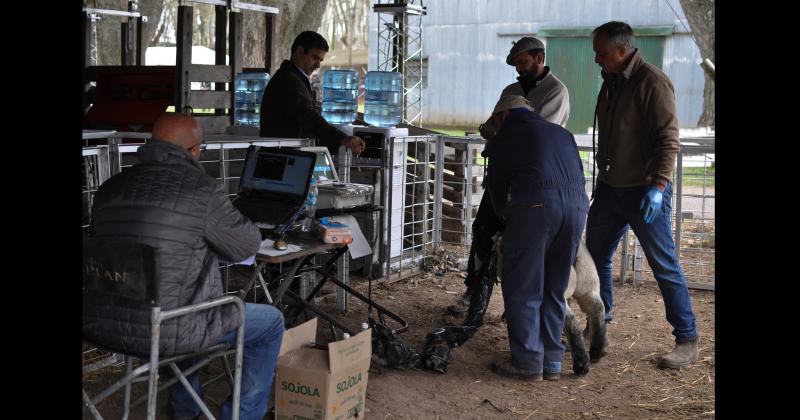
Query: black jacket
529	156
169	202
288	109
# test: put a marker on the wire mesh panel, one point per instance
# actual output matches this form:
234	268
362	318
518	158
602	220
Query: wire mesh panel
461	176
96	169
410	204
586	152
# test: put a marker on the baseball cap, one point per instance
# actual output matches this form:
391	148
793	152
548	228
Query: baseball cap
510	102
524	44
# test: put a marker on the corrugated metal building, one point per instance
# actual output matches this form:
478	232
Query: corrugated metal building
465	43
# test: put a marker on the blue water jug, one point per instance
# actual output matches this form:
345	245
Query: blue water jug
249	90
383	105
339	96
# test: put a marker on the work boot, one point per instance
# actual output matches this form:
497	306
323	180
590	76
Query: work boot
551	376
505	368
462	304
683	354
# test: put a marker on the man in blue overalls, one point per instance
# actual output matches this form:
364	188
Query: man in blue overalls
536	185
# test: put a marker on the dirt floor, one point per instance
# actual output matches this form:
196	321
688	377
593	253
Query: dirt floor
626	383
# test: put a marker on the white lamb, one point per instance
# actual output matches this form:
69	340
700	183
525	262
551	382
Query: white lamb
584	288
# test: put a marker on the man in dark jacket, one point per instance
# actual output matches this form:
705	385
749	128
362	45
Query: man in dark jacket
168	201
289	105
638	142
536	186
550	98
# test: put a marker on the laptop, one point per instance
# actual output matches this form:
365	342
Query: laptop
324	170
274	184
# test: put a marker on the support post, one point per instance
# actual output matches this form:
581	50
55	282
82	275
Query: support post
183	59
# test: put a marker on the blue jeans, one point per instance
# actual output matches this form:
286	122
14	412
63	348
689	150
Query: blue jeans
263	332
612	212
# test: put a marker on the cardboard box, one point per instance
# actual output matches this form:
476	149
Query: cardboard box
314	383
333	232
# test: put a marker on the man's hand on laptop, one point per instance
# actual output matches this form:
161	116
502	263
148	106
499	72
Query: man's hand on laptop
354	143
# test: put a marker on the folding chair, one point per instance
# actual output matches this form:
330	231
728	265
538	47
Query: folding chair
128	270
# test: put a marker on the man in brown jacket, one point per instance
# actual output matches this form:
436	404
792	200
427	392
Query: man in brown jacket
638	143
288	107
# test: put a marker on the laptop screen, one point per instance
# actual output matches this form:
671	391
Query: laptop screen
272	170
324	170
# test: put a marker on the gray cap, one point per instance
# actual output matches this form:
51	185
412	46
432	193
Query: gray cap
524	44
511	102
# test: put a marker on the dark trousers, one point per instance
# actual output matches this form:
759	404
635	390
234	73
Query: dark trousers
538	248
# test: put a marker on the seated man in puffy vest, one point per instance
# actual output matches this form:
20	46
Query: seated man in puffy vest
168	201
536	186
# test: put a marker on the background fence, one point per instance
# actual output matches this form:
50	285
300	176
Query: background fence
460	171
431	186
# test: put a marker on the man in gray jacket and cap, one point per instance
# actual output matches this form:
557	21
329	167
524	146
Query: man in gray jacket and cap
546	93
167	201
549	98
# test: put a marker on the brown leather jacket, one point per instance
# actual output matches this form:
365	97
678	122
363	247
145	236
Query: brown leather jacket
288	109
638	126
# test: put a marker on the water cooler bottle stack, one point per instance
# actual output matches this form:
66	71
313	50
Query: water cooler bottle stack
383	106
249	90
339	96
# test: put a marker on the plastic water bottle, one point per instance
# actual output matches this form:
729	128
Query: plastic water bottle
383	105
339	96
310	205
249	90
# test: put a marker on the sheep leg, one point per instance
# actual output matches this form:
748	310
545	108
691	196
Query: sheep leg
580	360
592	306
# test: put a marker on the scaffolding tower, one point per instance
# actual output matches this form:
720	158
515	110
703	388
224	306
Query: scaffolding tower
400	49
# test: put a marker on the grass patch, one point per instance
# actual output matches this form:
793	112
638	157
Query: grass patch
699	176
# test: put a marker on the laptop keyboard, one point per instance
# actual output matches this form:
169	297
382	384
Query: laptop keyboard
273	213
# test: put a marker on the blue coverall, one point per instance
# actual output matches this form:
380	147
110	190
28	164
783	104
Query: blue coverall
536	184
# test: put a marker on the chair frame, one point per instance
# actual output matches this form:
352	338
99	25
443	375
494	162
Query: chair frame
149	294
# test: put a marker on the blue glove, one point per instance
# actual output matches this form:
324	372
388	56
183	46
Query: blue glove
651	204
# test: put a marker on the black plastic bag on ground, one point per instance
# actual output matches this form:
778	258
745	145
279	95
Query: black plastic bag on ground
481	293
389	351
436	353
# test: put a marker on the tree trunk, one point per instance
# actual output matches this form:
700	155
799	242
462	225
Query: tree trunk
700	14
294	16
108	28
